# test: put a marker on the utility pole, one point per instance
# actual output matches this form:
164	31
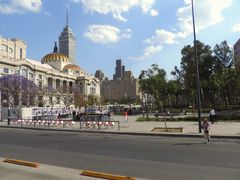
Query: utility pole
197	73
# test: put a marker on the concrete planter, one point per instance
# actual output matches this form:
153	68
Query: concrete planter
169	129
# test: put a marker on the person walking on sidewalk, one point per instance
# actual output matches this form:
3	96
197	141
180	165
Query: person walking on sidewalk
125	114
212	116
206	128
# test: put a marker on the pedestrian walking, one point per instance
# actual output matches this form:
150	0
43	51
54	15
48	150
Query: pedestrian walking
125	114
109	115
206	129
212	116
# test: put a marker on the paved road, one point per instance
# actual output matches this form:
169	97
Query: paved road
153	158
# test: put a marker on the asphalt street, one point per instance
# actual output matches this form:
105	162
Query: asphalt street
147	157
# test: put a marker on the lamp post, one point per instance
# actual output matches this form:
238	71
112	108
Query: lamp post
197	72
8	122
143	106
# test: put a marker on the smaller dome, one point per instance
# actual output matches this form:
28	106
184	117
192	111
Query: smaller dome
72	67
54	57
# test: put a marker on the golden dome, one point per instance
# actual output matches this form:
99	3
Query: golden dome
72	67
54	57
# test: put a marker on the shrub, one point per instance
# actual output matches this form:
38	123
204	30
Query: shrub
152	119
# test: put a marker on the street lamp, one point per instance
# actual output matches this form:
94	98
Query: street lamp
143	105
8	122
197	73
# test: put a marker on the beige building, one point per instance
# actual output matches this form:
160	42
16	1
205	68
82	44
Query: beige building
12	48
54	70
118	89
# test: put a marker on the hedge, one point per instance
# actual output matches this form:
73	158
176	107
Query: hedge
194	119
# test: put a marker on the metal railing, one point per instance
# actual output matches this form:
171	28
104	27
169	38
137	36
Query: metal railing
97	121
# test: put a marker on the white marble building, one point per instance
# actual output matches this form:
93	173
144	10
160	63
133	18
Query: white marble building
54	70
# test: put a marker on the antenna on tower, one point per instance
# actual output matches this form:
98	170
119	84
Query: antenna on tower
67	18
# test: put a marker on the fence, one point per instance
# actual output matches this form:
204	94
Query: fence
43	123
86	121
97	121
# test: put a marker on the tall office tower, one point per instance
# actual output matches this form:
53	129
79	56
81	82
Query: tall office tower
100	75
119	70
236	47
67	42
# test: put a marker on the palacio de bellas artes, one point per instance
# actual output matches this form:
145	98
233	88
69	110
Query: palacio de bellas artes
53	83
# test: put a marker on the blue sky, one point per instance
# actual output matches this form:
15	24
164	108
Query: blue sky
140	32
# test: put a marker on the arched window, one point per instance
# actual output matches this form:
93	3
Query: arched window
93	84
4	48
10	50
21	53
6	70
24	72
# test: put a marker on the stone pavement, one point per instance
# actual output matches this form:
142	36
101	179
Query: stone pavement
13	172
132	126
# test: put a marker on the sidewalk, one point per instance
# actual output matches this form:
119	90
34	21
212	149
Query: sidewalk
44	171
227	129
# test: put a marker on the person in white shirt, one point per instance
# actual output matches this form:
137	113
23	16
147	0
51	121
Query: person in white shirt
212	116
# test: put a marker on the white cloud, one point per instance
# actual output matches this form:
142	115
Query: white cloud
18	6
156	43
148	52
105	34
146	5
117	7
127	34
207	13
153	12
162	37
236	28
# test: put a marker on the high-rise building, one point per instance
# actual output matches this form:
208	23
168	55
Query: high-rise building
119	69
123	85
100	75
119	89
67	42
236	47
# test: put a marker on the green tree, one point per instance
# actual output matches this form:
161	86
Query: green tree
188	70
173	90
225	72
153	82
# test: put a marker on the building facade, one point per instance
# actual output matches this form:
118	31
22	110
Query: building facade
67	43
12	48
122	87
100	75
53	72
236	48
119	70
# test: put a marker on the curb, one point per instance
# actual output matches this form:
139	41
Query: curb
21	162
106	175
130	133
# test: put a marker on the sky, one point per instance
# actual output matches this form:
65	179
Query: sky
140	32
